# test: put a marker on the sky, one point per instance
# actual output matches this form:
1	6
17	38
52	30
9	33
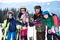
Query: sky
46	4
17	1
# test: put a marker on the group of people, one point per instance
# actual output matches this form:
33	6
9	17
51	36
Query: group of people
44	18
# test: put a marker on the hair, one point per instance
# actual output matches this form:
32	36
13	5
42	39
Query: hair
37	7
19	16
40	12
22	8
54	15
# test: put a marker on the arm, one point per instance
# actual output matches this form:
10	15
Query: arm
52	21
4	24
17	22
18	26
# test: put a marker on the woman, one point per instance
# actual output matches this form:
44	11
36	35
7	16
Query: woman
23	15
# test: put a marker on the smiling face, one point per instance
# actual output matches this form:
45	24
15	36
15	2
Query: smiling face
23	11
46	16
37	11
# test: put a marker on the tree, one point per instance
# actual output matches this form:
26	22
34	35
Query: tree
1	16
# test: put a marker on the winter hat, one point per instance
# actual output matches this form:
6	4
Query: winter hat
37	7
22	7
45	12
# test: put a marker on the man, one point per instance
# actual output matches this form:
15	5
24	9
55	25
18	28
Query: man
10	25
40	28
38	12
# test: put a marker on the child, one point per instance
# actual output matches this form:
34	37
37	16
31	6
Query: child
49	23
10	25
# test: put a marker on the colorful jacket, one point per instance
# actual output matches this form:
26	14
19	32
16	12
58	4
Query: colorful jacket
12	25
40	25
36	17
25	21
48	22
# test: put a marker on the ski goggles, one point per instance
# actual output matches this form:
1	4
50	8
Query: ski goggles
9	14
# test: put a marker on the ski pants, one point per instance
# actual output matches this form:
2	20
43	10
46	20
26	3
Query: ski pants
40	35
24	37
58	37
11	35
49	36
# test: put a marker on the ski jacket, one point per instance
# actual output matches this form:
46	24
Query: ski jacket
12	25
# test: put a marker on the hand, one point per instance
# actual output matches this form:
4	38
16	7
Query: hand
23	24
24	28
2	30
49	31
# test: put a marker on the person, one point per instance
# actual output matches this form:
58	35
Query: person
24	17
59	21
49	23
38	12
56	24
10	25
55	18
40	34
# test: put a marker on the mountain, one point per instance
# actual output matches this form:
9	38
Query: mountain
52	7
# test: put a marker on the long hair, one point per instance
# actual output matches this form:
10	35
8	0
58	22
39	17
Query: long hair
20	14
40	12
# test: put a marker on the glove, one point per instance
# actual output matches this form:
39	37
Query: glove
23	24
3	30
31	24
49	31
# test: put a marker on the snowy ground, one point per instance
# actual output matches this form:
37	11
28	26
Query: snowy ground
31	33
0	32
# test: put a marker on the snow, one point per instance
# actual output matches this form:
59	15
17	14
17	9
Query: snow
31	32
0	33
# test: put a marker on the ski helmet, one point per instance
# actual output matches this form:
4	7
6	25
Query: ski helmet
10	13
